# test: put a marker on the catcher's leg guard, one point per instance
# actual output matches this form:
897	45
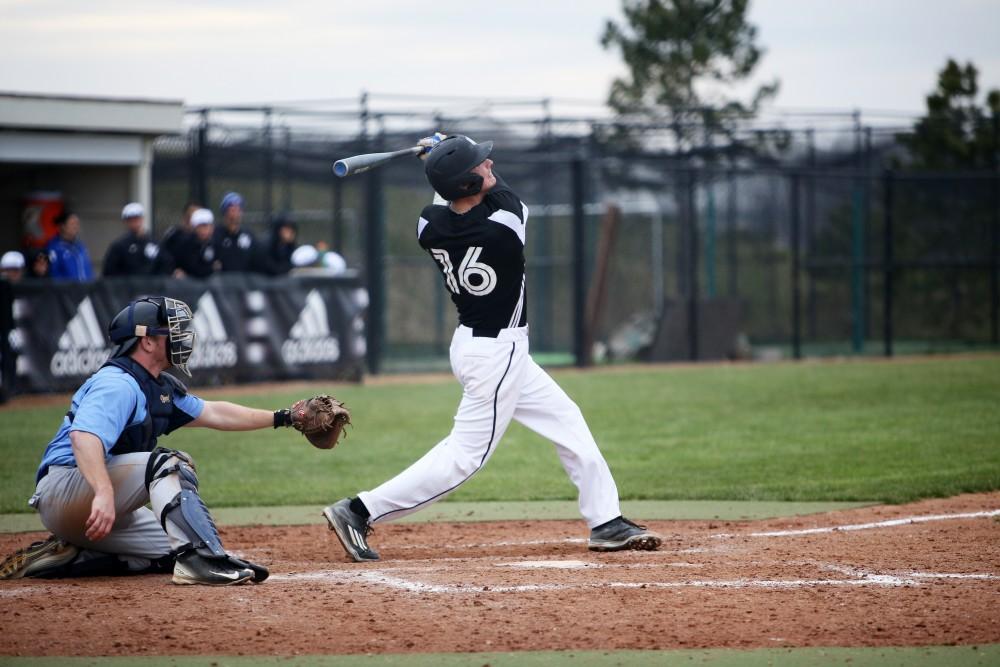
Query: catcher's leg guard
186	511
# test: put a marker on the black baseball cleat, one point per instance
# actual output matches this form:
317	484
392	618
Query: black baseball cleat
193	568
260	573
37	558
621	534
351	529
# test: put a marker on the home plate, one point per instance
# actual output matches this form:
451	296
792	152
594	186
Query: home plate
556	564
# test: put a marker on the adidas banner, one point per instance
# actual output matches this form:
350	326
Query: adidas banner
249	328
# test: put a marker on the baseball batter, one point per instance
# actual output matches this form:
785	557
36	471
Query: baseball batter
475	233
104	464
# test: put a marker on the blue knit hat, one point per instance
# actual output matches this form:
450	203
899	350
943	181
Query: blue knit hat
230	199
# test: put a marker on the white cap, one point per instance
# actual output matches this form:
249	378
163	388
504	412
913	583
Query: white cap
202	217
133	210
12	259
304	255
334	262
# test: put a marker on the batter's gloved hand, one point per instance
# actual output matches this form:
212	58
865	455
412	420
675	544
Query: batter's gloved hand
429	143
321	419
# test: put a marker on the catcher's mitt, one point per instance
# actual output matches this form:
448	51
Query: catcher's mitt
321	419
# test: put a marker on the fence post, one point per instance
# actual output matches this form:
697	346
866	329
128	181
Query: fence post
732	233
858	253
810	236
286	163
995	235
581	355
995	261
866	279
375	269
796	315
199	155
268	167
887	262
692	251
710	235
337	219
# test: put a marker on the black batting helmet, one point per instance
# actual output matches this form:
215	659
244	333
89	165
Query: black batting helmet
449	166
154	316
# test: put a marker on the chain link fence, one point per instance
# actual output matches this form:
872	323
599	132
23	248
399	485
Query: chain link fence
779	243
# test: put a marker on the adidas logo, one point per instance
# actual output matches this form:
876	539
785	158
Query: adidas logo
311	341
82	347
212	348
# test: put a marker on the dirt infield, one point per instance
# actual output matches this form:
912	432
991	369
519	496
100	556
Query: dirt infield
920	574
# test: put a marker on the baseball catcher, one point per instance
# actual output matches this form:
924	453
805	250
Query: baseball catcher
105	463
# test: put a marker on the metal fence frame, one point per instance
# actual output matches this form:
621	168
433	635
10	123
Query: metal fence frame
862	158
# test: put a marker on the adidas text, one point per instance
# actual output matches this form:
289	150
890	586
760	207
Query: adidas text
310	338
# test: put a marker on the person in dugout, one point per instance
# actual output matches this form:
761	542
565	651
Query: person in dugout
197	258
236	248
135	253
68	256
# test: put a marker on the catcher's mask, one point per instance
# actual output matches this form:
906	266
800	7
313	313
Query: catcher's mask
449	166
155	316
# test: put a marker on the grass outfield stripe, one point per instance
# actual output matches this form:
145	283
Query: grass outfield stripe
922	656
892	431
642	510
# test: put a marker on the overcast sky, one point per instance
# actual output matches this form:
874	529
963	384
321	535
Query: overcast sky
841	54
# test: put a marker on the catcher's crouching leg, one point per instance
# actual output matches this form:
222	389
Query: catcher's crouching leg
201	559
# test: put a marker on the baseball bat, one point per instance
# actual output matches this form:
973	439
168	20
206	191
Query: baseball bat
360	163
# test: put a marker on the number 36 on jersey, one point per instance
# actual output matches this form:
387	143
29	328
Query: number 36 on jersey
477	278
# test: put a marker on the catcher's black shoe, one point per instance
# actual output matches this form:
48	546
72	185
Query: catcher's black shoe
351	529
193	568
37	558
260	573
621	534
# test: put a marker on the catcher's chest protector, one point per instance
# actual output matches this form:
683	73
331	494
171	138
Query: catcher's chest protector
161	417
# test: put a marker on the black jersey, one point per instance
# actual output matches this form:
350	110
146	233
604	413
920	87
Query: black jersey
174	240
197	258
480	254
132	255
235	251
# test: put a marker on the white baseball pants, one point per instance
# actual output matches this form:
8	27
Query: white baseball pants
500	382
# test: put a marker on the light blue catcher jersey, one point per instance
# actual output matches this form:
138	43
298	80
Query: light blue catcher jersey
108	402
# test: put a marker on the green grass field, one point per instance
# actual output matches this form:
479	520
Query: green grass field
881	431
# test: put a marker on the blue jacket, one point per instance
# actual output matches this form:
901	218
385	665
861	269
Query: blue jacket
69	260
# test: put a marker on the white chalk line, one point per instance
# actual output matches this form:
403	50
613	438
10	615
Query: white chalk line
389	578
947	575
858	572
20	591
489	564
867	526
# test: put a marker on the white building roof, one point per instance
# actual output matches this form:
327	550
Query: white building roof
90	114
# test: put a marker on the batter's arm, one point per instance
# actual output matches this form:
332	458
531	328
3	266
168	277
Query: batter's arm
226	416
88	450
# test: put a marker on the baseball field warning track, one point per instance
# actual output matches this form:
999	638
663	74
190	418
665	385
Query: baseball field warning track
919	574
